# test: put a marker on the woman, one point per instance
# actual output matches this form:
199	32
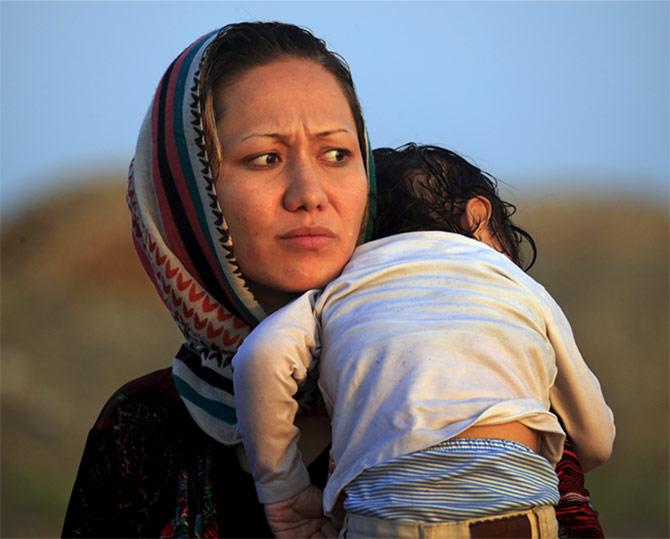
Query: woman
259	123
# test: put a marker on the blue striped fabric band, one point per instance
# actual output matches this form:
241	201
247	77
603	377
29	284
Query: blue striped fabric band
458	479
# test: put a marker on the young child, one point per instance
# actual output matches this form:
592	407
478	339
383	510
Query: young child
438	360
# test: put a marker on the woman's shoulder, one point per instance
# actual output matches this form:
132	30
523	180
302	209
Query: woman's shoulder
150	400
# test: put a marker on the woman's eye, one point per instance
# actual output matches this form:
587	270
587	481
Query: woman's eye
264	160
337	156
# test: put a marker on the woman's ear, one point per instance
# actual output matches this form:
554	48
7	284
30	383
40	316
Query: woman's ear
477	214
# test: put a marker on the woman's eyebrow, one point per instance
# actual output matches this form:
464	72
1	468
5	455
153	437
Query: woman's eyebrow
329	132
277	136
282	137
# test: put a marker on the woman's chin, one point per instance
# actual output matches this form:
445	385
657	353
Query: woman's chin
316	279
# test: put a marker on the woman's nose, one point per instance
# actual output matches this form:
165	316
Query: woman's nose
305	190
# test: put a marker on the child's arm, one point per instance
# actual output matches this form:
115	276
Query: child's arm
267	369
577	397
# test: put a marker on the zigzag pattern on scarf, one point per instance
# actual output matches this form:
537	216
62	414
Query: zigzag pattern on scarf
213	323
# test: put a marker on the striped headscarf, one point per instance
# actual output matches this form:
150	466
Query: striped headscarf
183	242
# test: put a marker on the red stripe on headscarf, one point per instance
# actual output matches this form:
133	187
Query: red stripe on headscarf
180	180
172	235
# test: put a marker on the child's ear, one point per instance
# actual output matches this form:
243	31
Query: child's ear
477	214
476	219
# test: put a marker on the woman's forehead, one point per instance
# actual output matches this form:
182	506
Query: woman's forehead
281	98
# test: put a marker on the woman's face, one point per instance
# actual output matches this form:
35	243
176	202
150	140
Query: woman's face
292	181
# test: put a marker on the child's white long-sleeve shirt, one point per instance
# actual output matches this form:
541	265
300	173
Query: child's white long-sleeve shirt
423	335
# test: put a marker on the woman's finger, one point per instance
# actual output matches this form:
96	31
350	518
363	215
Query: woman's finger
329	531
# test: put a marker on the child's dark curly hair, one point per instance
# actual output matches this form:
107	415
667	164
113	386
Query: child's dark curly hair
423	187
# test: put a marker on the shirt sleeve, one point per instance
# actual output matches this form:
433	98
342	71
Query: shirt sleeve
267	370
577	396
125	469
93	510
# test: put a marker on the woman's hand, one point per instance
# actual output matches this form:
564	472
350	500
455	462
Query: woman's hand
300	516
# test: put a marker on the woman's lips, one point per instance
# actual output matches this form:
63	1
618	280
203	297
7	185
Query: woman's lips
310	238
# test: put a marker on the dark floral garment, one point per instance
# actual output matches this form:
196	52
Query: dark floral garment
149	471
576	516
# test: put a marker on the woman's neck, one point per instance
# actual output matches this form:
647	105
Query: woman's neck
270	299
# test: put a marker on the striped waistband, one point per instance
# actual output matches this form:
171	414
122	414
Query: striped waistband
459	479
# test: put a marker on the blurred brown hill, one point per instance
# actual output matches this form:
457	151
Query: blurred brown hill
80	318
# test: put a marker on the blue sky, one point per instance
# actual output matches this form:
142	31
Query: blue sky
534	92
